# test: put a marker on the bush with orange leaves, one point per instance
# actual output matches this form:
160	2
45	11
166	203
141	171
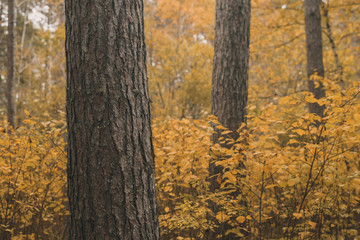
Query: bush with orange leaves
33	181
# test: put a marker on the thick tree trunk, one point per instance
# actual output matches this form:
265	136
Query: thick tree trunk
314	52
111	172
230	76
10	64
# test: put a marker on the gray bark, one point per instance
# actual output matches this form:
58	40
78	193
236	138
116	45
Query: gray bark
230	79
314	52
339	67
111	172
10	64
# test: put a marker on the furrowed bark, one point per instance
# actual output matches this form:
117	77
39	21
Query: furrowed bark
10	64
230	81
111	172
315	65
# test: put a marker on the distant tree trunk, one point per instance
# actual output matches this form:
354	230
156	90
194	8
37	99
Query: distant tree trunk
21	64
10	64
2	55
111	173
314	52
339	67
230	76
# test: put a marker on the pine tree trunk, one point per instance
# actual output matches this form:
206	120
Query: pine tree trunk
230	77
111	172
10	64
314	52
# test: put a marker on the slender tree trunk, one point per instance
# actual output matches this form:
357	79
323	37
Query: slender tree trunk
10	64
339	67
22	65
111	172
2	87
314	52
230	77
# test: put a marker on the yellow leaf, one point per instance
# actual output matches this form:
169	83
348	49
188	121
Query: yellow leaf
270	186
310	99
222	217
312	224
357	117
219	178
29	121
231	177
221	127
240	219
285	100
291	182
225	132
297	215
304	235
27	112
282	184
300	132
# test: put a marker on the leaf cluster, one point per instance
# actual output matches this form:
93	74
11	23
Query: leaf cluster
33	202
284	177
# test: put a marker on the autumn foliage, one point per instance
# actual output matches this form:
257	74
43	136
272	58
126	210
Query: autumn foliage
33	202
298	181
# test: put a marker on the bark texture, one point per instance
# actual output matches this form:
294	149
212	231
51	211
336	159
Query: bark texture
10	64
230	77
111	172
314	52
339	67
231	63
